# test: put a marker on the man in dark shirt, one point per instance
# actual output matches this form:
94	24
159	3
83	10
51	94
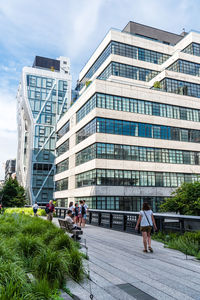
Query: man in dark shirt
50	208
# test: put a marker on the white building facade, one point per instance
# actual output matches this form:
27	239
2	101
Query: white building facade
133	135
44	95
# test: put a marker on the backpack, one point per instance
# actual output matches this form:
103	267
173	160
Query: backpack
47	210
83	210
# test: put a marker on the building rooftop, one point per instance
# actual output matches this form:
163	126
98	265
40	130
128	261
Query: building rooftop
46	63
155	34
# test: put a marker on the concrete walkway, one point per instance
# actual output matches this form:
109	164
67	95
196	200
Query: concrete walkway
120	270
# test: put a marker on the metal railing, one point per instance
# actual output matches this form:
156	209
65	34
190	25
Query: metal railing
126	221
60	212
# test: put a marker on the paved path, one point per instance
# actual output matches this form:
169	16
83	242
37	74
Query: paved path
120	270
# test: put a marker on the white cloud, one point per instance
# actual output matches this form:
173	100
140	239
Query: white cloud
8	111
62	25
8	135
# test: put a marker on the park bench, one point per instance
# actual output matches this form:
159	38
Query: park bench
65	226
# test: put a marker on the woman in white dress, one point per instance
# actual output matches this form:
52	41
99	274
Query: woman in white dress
146	221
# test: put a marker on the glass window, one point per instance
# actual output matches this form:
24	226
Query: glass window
109	177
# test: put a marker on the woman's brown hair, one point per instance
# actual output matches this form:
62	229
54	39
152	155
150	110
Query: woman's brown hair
145	206
70	204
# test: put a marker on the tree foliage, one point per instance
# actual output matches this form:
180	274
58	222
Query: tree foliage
12	194
185	200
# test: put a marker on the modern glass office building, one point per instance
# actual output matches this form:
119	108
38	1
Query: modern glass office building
10	168
44	95
133	135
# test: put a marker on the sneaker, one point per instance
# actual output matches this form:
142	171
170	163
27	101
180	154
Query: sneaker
150	249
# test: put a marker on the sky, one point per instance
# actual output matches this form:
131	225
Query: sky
72	28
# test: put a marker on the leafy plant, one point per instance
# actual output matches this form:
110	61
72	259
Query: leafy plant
30	267
50	265
25	211
42	289
75	266
157	85
28	245
188	243
13	280
88	83
61	241
185	200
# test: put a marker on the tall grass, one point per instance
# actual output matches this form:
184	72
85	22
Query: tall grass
36	258
188	243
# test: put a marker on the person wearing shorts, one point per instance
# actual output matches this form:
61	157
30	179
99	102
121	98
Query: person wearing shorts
81	213
146	221
35	209
85	213
76	210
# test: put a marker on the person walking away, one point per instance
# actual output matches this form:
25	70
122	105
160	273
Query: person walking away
76	210
71	224
146	221
35	209
81	213
50	208
72	208
85	214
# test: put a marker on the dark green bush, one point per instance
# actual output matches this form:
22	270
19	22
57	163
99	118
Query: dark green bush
35	258
50	265
28	245
13	281
61	242
75	266
8	229
50	235
34	229
42	289
188	243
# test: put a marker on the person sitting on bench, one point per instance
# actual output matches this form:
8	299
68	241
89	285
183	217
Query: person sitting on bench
71	224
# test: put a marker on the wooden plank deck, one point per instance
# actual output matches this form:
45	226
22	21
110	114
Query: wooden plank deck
120	270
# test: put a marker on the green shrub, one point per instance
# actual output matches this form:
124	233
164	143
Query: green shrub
51	234
61	241
35	246
8	229
42	289
13	281
157	85
188	243
29	245
7	253
28	211
42	212
50	265
198	255
34	229
75	266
